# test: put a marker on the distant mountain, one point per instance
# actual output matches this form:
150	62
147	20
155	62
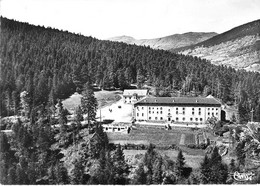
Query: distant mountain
238	48
168	42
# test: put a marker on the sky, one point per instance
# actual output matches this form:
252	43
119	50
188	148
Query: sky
141	19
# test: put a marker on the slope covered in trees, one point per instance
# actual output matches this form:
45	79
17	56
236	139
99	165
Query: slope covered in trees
51	64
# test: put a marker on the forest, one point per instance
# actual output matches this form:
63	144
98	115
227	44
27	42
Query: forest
42	66
47	62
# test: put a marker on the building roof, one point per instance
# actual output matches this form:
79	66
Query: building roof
186	101
139	92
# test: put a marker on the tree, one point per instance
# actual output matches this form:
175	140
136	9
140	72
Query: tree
140	78
205	170
61	174
240	152
63	126
78	172
25	103
140	175
233	118
11	177
157	173
179	167
89	103
243	113
120	167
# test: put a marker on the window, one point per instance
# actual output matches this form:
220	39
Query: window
192	113
161	108
216	113
161	118
137	114
183	108
142	114
176	112
155	118
153	112
199	108
217	109
150	118
176	108
199	113
192	108
157	108
200	119
208	113
142	108
208	108
149	112
177	119
161	112
149	108
183	112
212	108
196	119
157	112
169	119
118	129
190	119
169	110
183	119
153	107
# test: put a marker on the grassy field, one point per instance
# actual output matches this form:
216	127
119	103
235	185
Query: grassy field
134	156
103	97
189	139
159	137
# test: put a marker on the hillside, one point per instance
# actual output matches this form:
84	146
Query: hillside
238	48
51	64
168	42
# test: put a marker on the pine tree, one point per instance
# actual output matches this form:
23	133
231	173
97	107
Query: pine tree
61	174
11	177
205	170
120	166
89	103
240	152
219	171
157	173
179	167
25	103
78	172
140	175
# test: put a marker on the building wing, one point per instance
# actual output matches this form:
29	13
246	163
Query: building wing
175	101
138	92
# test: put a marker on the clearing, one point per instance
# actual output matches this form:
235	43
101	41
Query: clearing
103	97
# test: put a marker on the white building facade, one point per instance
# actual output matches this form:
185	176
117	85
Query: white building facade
133	95
177	110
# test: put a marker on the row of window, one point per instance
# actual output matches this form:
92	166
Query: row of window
152	112
183	108
177	119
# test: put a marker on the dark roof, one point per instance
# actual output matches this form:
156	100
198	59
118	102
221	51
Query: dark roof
193	101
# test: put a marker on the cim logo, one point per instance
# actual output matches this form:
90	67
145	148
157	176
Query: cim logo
243	176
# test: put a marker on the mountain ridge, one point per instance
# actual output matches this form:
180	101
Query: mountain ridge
238	47
167	42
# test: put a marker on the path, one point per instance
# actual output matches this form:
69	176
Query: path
182	140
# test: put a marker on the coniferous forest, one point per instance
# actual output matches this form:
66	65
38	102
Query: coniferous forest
50	63
42	66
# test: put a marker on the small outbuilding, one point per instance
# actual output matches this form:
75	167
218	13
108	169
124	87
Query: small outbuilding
133	95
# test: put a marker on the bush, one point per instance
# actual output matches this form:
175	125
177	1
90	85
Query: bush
192	146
